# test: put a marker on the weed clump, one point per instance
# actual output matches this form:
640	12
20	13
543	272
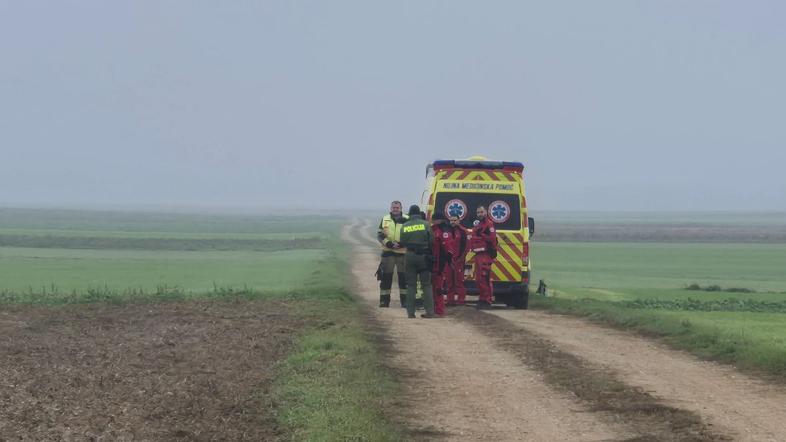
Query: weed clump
717	305
51	294
717	288
739	290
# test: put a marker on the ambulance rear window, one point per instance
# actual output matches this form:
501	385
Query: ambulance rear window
503	209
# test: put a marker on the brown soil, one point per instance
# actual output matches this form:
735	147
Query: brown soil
167	371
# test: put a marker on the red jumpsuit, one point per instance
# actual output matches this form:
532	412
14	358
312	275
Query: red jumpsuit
483	241
441	267
456	246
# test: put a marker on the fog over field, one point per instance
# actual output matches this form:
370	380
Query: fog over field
663	105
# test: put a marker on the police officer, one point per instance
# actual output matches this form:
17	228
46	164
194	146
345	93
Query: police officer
389	237
416	236
483	242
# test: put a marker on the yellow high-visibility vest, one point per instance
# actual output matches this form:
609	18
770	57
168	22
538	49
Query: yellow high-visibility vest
392	232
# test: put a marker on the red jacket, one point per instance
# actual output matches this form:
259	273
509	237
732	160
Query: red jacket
455	239
450	245
483	238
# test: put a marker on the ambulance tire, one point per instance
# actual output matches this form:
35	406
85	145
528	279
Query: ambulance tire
520	297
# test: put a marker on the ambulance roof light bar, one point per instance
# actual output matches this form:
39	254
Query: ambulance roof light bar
478	164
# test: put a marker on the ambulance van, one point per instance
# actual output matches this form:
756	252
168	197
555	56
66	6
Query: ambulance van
458	187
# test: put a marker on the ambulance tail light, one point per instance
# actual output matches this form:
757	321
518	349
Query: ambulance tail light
444	164
525	255
512	167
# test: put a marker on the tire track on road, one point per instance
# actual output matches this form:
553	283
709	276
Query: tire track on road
597	385
749	409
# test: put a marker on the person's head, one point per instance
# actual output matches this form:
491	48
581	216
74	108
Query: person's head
454	221
438	218
395	208
481	213
414	210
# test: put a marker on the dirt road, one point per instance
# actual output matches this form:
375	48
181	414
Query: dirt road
525	375
459	386
748	409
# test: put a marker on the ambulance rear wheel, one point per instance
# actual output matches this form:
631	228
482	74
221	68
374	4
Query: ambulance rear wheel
520	297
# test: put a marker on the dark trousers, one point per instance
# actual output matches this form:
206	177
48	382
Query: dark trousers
391	264
418	270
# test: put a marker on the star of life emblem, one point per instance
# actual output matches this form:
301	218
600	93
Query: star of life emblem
456	208
499	211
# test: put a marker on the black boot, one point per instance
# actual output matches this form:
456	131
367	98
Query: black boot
403	300
384	300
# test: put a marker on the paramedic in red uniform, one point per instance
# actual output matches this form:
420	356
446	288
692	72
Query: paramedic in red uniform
483	241
456	245
441	267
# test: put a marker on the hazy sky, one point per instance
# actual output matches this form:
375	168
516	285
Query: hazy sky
610	104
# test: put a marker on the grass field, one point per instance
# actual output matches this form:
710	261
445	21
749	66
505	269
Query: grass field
642	286
36	270
661	265
328	387
65	251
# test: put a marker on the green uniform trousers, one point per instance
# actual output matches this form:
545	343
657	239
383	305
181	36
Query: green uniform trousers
418	267
391	264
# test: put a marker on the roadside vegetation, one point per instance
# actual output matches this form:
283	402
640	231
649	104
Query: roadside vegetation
329	385
334	385
720	301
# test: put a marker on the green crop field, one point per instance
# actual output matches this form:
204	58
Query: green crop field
73	252
735	311
660	265
198	271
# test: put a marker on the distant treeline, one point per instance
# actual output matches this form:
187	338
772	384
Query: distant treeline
572	232
175	244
